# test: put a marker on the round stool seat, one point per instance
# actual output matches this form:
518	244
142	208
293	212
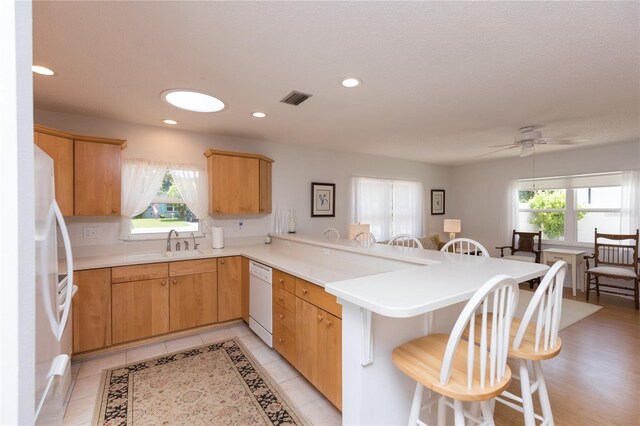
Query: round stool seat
421	359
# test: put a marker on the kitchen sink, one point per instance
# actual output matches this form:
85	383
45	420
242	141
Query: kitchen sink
163	255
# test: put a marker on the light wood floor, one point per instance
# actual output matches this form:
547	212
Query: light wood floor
595	380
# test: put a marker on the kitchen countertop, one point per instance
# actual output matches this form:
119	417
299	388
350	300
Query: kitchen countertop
392	281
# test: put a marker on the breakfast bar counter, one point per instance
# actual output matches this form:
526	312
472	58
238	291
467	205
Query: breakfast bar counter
389	295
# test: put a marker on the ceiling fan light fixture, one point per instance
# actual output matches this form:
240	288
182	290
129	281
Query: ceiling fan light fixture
527	149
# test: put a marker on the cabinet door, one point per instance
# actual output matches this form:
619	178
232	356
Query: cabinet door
193	301
330	358
245	289
284	341
265	186
234	185
61	151
140	309
97	179
307	350
92	310
229	288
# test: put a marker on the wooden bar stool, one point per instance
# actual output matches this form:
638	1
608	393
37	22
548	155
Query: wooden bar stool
453	368
535	342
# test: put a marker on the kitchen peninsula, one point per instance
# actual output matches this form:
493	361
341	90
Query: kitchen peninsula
388	294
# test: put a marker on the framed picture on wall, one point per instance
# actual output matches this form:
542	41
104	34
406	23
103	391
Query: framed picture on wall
323	199
437	201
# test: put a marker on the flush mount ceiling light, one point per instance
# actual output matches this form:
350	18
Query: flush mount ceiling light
259	114
192	100
168	121
38	69
351	82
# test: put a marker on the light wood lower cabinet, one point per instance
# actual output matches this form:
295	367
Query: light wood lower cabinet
193	300
140	309
229	288
92	310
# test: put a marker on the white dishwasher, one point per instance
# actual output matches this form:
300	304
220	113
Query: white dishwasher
260	316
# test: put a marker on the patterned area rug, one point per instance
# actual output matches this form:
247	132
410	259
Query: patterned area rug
213	384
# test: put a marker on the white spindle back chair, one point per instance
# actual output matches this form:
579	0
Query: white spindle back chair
365	238
465	246
405	240
331	234
536	339
485	373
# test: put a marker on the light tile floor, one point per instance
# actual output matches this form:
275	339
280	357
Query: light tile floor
86	375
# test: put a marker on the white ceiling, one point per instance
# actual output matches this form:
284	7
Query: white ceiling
442	81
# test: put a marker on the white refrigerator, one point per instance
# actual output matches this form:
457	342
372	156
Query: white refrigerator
53	299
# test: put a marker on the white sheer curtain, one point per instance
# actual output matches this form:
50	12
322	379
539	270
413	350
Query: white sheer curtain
391	207
191	182
630	217
141	180
510	212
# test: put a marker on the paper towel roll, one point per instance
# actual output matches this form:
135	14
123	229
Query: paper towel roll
217	237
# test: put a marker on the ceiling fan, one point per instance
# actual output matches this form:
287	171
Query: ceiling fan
528	137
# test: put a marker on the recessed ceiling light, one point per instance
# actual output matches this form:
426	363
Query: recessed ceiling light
38	69
259	114
169	121
351	82
192	100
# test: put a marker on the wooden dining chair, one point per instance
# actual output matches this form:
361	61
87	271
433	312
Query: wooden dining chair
331	234
465	246
456	369
614	260
525	247
405	240
535	338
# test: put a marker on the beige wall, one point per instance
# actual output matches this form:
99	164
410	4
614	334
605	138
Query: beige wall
478	190
294	169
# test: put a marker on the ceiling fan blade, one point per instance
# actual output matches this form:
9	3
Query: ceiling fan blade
498	150
500	146
569	141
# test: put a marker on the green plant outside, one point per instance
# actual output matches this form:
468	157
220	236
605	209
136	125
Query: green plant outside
551	223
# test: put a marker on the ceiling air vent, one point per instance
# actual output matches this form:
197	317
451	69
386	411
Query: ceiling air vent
295	98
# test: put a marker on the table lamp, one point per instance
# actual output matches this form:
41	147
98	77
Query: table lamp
452	226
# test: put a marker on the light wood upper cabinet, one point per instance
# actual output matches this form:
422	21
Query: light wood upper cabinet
92	310
97	179
87	171
60	149
140	309
193	300
239	183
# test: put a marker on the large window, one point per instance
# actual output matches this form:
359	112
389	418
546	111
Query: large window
569	208
166	211
391	207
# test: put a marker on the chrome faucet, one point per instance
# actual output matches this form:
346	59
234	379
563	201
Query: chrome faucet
169	239
195	245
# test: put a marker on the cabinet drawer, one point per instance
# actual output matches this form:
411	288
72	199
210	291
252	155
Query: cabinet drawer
187	267
554	257
284	316
284	341
150	271
284	281
284	299
317	296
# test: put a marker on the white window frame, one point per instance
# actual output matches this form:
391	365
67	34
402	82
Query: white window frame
571	210
155	235
392	215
